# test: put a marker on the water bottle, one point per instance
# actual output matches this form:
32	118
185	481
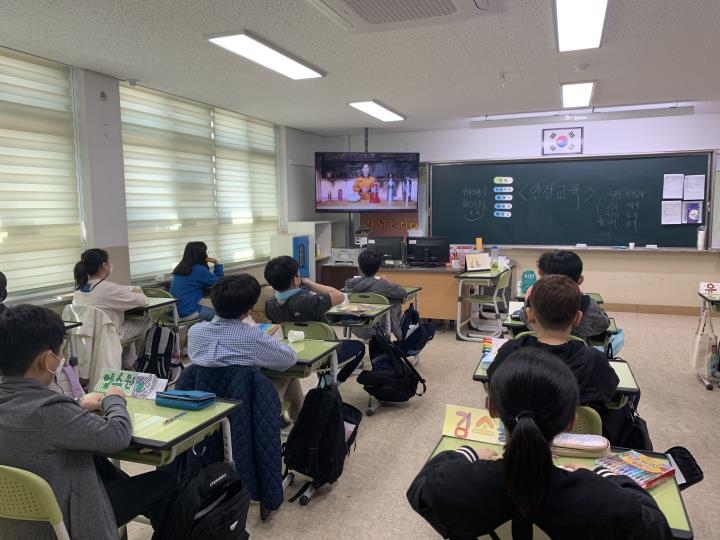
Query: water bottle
494	259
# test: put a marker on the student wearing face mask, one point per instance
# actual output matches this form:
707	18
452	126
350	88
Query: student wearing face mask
93	288
57	437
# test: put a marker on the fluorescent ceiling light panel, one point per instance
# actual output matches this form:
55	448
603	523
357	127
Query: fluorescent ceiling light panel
513	116
577	95
579	23
643	107
251	48
373	108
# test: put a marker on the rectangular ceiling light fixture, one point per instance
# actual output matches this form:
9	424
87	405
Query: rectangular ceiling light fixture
255	50
577	95
374	109
643	107
514	116
579	23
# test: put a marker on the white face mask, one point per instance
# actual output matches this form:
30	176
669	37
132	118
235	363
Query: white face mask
59	367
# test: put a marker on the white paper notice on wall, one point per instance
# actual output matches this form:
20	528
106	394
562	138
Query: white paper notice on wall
671	213
694	187
673	186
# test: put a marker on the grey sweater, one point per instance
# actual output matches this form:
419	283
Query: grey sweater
48	434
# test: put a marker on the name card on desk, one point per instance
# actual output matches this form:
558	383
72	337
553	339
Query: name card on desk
472	424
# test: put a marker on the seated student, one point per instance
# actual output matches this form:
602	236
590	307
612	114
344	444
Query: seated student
554	310
93	288
566	263
228	340
300	300
58	438
369	263
466	493
190	279
3	291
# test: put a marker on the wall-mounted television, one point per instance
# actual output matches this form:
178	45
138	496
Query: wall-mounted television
366	182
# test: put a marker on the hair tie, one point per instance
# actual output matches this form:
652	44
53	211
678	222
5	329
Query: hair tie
525	414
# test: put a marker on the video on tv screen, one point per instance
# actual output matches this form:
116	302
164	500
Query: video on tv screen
366	182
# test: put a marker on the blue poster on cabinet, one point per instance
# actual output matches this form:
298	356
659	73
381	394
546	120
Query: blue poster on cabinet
301	251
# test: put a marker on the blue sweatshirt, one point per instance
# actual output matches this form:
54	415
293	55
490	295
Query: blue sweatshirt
189	289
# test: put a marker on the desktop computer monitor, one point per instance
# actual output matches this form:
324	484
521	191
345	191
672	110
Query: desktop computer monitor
388	247
428	250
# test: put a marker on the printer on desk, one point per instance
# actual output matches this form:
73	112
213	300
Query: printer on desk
348	256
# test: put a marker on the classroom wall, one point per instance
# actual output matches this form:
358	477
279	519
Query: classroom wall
651	281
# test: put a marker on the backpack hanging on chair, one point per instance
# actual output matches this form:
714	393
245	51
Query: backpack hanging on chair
415	334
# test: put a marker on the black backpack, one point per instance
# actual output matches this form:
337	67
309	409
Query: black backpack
212	503
412	343
320	440
157	356
393	377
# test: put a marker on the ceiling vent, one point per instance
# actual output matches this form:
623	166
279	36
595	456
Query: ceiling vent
364	16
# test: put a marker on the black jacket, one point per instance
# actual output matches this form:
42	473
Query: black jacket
463	498
597	381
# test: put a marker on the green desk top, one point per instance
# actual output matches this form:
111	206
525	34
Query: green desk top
409	291
310	351
154	303
666	495
367	317
482	274
150	431
627	384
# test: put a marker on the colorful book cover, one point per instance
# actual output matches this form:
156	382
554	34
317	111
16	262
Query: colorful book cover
134	384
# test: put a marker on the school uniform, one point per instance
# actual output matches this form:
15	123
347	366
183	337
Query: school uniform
463	497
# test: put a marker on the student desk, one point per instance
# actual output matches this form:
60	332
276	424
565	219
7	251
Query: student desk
627	386
666	495
310	354
166	441
339	316
482	278
412	294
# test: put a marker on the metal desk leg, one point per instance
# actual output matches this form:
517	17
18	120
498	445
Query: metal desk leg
227	439
176	329
333	367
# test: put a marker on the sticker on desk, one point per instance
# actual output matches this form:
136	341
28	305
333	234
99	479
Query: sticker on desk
356	309
140	385
709	288
472	424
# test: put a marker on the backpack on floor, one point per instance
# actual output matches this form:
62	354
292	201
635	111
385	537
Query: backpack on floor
212	503
157	356
321	438
393	377
415	333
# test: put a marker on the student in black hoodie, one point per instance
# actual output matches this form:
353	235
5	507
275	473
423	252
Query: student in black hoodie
553	311
464	493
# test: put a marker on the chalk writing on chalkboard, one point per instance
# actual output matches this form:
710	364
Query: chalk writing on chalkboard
474	205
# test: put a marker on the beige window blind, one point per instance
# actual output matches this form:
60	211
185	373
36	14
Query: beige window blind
169	185
247	198
195	173
40	238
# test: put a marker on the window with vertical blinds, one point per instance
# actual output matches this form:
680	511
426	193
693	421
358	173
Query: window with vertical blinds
193	172
40	235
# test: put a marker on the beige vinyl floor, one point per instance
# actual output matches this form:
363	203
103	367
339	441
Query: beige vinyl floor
368	501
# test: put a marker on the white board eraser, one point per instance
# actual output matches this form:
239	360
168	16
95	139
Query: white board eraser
651	246
580	245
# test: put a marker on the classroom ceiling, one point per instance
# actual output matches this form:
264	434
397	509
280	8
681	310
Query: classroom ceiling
439	64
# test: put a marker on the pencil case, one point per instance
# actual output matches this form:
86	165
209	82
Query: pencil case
580	445
192	400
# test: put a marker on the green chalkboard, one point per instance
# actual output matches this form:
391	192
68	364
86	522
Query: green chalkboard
603	201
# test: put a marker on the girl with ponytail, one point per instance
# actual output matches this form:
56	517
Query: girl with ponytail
467	493
93	288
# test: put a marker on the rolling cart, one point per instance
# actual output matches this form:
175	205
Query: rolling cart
705	346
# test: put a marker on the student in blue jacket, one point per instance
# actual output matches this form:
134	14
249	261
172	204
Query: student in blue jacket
191	277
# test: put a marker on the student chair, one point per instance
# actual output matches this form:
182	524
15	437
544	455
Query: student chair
367	298
167	316
26	496
534	333
587	420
